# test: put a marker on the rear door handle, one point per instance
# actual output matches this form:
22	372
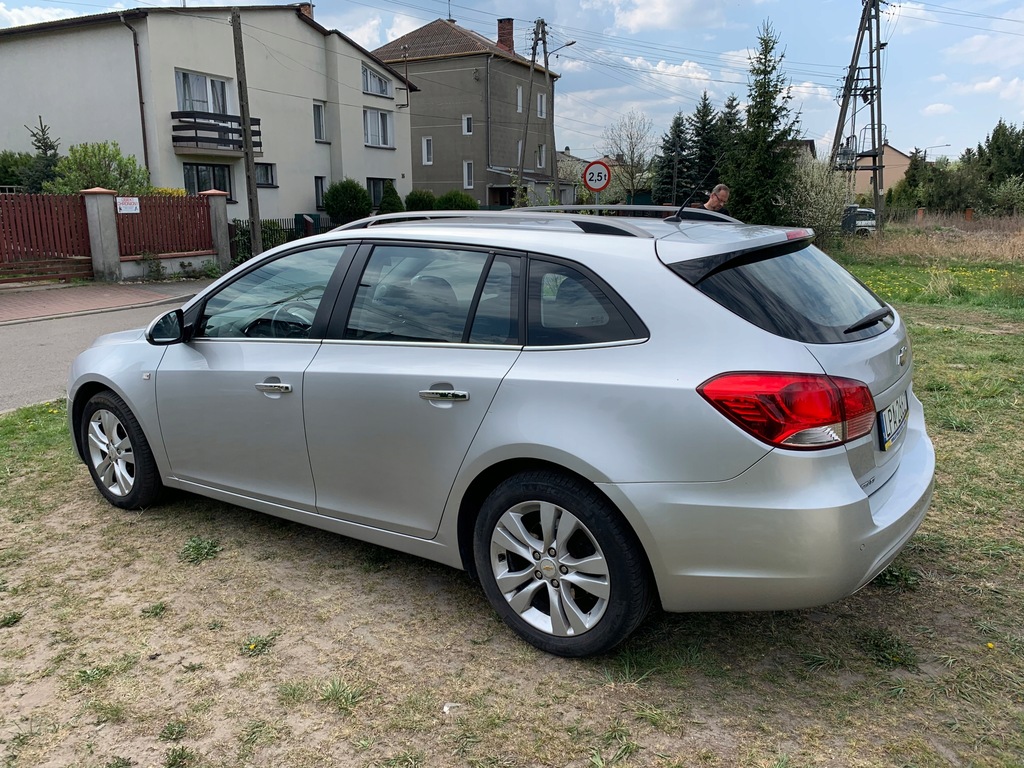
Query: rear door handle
281	389
443	394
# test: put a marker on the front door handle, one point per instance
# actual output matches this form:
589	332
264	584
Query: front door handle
280	389
443	394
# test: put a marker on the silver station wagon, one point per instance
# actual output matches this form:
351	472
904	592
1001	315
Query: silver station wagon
590	414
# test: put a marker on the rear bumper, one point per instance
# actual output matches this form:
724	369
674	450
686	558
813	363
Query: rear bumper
791	532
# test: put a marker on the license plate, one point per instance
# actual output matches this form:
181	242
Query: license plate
892	421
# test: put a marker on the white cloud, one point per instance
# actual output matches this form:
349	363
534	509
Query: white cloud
366	34
640	15
909	17
402	25
1003	52
29	14
938	78
933	110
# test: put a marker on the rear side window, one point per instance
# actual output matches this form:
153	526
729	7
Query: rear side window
567	307
803	295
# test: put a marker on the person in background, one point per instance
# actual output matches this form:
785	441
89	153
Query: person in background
717	200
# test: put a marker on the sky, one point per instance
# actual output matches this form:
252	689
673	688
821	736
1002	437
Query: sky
950	71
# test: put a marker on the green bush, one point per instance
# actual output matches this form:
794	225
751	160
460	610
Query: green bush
390	202
347	201
456	200
273	234
420	200
99	164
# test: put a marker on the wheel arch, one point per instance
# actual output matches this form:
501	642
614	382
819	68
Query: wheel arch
492	476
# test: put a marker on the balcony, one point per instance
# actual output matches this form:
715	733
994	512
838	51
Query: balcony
212	133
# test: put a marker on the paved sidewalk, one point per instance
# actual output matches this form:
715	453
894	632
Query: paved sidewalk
41	302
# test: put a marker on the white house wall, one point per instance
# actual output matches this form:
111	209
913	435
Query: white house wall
91	95
81	82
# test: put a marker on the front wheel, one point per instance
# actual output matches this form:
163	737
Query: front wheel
117	453
560	565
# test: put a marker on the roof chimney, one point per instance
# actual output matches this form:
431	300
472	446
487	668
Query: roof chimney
306	9
506	35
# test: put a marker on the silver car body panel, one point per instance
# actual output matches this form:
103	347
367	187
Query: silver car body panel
727	522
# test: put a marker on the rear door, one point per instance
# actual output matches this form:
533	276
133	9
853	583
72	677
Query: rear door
399	389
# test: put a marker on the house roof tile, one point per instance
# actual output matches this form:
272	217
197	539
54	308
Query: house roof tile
443	38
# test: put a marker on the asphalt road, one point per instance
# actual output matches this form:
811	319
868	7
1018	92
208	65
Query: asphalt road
35	356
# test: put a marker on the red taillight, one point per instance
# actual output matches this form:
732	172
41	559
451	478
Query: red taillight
794	410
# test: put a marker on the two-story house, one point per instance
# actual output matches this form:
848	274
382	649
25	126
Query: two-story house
163	83
482	113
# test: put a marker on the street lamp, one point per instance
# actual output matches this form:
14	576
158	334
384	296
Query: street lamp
554	145
933	146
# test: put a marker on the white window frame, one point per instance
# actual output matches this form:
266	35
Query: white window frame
542	155
213	97
467	125
270	179
519	99
319	121
467	174
376	84
542	105
428	150
378	128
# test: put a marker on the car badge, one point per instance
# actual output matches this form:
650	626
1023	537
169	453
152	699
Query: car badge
901	356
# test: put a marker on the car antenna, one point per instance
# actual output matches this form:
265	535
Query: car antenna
686	202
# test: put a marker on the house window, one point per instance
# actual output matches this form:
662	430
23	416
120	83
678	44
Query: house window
199	93
377	128
542	105
542	155
200	177
467	125
319	188
376	84
376	189
467	174
266	175
428	150
519	151
319	124
519	98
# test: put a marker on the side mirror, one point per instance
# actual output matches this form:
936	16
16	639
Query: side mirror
167	329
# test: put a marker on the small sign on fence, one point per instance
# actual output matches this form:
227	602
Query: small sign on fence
127	205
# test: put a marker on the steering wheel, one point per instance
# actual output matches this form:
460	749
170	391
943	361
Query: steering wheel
290	320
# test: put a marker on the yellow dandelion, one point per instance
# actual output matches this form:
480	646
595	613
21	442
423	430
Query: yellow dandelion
990	646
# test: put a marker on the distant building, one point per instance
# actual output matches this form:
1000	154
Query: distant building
894	168
161	82
482	112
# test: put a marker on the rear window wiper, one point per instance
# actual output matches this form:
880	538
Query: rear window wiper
866	322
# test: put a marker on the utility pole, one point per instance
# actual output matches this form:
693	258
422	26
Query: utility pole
869	90
551	113
255	226
529	101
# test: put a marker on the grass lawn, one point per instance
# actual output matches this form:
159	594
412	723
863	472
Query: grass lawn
201	634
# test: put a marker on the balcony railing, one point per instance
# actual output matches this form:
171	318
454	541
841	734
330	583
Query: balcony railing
212	133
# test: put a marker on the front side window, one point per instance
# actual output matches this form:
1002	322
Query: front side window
567	307
467	174
467	125
375	83
377	128
428	150
200	93
277	300
319	124
200	177
411	293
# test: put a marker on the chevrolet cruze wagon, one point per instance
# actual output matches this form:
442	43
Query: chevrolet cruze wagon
590	414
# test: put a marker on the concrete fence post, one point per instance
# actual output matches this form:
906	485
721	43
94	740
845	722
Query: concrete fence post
219	226
101	218
920	215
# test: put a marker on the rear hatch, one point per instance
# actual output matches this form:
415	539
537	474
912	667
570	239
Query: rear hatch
778	281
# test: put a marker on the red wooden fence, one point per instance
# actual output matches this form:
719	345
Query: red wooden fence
39	227
166	225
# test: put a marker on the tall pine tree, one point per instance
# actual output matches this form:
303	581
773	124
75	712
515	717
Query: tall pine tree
761	167
672	176
706	153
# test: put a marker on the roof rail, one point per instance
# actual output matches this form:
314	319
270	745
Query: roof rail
523	216
666	213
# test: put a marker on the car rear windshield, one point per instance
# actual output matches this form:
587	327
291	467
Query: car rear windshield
802	295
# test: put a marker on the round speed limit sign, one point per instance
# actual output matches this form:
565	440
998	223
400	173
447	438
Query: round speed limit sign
596	176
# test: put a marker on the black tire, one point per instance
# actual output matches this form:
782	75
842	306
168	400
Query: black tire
117	453
574	596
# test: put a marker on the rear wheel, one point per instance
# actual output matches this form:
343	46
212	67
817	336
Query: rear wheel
560	565
118	454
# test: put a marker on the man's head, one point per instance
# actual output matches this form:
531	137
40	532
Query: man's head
719	197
